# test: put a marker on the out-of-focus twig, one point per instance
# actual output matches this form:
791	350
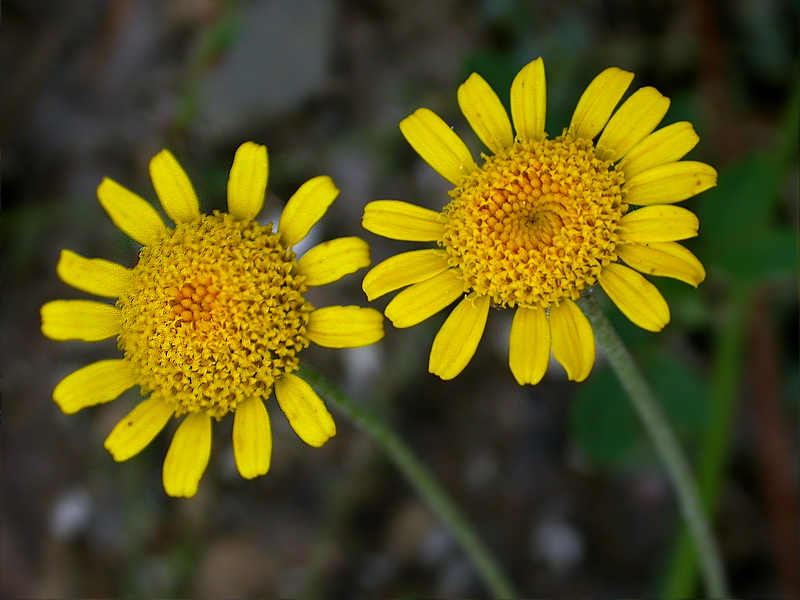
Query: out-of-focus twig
775	465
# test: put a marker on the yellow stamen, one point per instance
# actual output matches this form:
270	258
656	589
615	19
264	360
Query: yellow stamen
536	223
215	312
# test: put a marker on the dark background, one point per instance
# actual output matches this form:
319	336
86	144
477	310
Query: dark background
557	478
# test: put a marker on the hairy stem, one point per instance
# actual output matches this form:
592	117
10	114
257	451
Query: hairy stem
423	481
666	445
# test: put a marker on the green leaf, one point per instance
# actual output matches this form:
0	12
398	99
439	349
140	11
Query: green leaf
739	224
742	203
771	256
603	423
681	391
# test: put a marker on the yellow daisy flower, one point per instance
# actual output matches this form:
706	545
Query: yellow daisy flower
542	220
211	318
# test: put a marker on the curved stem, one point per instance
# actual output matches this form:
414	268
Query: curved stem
666	444
681	575
422	479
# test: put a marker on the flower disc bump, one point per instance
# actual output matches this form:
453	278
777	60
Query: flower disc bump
536	223
214	313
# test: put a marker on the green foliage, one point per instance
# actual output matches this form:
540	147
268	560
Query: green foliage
602	421
740	222
605	426
682	391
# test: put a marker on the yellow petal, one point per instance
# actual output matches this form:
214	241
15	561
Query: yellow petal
99	382
529	101
598	102
438	145
402	270
485	113
307	414
666	145
345	326
399	220
132	214
572	340
638	116
455	344
332	260
187	457
252	438
669	183
529	345
637	298
658	223
665	259
173	187
93	275
80	320
247	181
424	299
307	206
133	433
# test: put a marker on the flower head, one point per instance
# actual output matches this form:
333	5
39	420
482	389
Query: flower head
542	221
211	319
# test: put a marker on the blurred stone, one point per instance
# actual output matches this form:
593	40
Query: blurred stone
279	59
71	513
558	543
361	367
409	527
455	578
437	547
236	567
480	469
377	573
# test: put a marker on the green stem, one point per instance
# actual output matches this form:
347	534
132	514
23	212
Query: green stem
666	445
713	457
422	479
681	573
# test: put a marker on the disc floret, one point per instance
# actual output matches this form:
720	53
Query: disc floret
214	313
536	223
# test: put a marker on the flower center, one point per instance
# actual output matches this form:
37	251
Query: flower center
536	223
214	314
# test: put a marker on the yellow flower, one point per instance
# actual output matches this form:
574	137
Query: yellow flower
211	318
542	220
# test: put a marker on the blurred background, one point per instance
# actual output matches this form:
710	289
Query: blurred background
558	478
